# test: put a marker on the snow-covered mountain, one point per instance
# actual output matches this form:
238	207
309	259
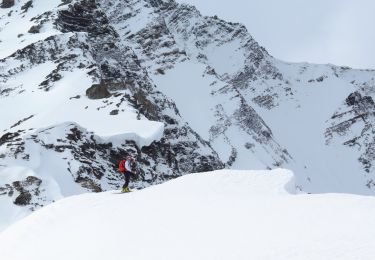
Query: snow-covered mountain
84	83
218	215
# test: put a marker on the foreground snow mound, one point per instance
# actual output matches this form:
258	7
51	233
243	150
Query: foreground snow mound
218	215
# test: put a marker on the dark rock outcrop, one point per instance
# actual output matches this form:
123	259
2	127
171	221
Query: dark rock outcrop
27	192
34	29
7	3
27	6
98	91
353	98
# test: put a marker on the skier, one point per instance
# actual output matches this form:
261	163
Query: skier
127	167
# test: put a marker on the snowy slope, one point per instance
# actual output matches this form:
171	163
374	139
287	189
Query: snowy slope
216	215
84	83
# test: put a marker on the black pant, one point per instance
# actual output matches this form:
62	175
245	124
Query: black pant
127	179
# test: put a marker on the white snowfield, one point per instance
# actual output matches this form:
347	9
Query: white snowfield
218	215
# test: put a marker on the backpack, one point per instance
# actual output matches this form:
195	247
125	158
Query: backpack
121	166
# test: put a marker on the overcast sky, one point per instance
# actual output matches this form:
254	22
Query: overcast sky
341	32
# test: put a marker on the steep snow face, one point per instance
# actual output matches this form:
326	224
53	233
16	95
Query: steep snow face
216	215
308	112
255	110
183	53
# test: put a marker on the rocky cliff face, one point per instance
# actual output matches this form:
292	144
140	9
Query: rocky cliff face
86	42
84	83
353	125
